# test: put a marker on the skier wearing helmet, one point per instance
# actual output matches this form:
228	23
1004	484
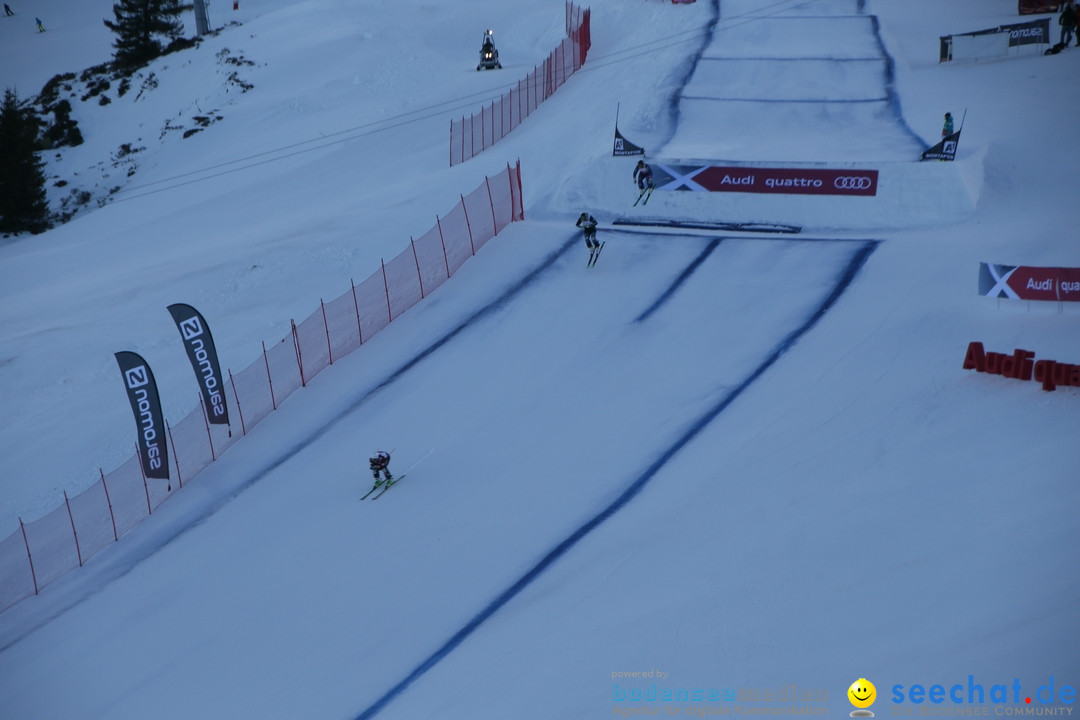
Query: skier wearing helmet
380	463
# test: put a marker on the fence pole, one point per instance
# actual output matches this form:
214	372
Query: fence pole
296	347
146	488
108	501
465	210
442	241
520	204
356	307
560	56
29	555
491	201
240	410
417	261
74	532
176	462
209	437
386	287
329	349
269	378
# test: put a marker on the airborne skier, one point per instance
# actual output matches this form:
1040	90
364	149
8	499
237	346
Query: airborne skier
587	223
643	180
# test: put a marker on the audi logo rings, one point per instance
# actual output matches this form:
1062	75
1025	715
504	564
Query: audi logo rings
853	183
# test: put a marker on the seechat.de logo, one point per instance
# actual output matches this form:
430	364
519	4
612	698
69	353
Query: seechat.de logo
862	695
975	692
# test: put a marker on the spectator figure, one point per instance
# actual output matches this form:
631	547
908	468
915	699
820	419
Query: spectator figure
1067	21
40	27
947	128
8	11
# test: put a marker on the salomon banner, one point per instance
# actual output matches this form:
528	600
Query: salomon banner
204	360
143	396
944	150
1034	32
789	181
1029	283
1030	33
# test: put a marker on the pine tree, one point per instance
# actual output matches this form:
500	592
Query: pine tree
23	204
138	25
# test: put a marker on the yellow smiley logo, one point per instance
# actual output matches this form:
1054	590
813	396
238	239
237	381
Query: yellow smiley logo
862	693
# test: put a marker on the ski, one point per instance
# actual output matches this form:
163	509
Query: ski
388	486
594	254
648	195
640	195
373	489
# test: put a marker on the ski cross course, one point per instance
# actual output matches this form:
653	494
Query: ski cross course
624	452
686	286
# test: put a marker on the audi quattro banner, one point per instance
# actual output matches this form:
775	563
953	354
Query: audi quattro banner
1029	283
143	395
204	360
787	181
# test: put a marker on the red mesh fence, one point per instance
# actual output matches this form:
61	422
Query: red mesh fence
18	576
128	495
431	259
90	514
374	305
52	543
193	451
472	135
43	550
312	338
342	325
402	282
253	393
457	237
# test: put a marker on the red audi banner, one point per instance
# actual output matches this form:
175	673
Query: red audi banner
1018	282
786	181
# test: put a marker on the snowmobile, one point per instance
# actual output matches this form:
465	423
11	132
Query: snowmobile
489	55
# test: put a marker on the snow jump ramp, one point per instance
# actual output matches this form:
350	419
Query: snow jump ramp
789	114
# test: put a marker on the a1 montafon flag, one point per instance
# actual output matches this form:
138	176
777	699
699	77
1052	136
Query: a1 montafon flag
624	146
944	150
143	395
204	360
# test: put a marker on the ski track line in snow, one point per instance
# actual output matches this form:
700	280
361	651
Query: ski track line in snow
168	534
892	97
673	101
683	276
856	262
